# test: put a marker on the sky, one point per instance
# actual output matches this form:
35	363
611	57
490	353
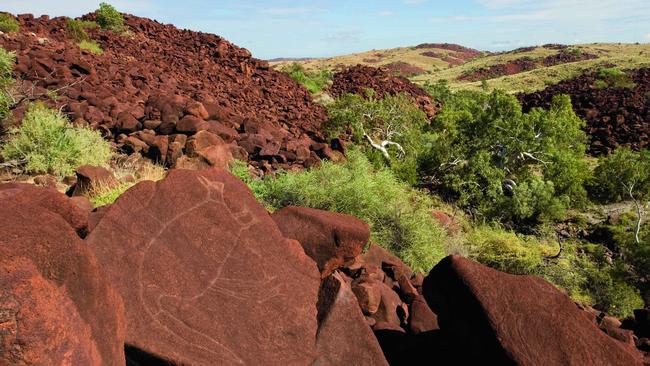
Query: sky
319	28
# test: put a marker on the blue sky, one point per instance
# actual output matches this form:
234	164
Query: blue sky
313	28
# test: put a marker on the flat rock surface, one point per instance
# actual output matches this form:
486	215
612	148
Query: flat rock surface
206	276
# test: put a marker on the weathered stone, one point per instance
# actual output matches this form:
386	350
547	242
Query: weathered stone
206	276
498	318
90	177
343	337
331	239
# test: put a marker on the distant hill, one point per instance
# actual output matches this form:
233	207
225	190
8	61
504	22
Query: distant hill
406	61
525	69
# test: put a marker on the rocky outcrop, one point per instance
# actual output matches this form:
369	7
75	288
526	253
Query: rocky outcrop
498	318
615	116
206	276
358	79
56	305
153	89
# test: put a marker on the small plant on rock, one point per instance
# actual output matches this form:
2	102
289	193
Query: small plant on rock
109	18
91	46
76	29
8	24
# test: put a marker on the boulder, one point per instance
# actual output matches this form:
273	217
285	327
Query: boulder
343	337
89	177
331	239
50	199
61	303
206	276
39	324
504	319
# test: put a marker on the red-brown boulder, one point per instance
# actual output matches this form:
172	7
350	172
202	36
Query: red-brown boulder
503	319
72	311
89	177
206	276
344	338
331	239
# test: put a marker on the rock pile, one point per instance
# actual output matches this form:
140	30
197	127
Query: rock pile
357	79
615	116
155	88
191	270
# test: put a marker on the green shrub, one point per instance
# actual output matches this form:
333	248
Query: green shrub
312	81
8	24
76	29
52	145
7	60
613	78
91	46
399	216
634	257
109	18
103	197
619	171
501	163
396	118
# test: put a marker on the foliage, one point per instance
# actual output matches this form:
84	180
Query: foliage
634	258
7	60
109	18
619	171
8	24
399	216
314	81
613	78
52	145
501	163
392	118
76	29
102	196
91	46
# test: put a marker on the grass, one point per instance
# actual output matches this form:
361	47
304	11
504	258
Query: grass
102	195
50	144
76	29
8	24
91	46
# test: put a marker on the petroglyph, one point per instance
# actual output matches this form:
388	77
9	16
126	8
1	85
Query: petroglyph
167	301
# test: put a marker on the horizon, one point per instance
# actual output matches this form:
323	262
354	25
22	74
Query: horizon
317	28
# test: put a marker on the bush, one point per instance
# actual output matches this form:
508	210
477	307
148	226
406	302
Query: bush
109	18
92	46
400	217
395	118
634	257
50	144
8	24
76	29
7	60
501	163
613	78
312	81
619	171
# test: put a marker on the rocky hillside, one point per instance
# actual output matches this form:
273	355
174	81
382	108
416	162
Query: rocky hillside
156	85
191	270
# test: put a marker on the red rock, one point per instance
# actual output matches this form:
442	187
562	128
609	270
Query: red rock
200	141
48	198
380	257
422	319
45	181
331	239
197	109
407	290
190	124
368	296
446	222
206	276
67	284
387	316
89	177
218	156
343	337
128	123
228	134
39	324
498	318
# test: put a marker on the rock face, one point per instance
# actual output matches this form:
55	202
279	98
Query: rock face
344	338
89	177
56	306
206	276
331	239
163	82
357	79
503	319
